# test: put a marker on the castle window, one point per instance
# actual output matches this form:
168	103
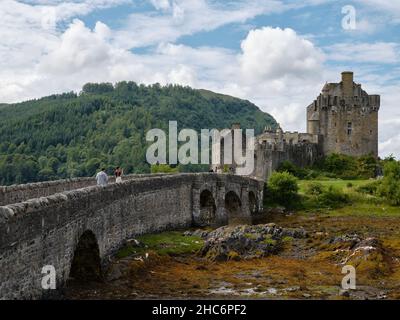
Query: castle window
349	128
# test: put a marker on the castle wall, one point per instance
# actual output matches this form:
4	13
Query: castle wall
269	156
349	130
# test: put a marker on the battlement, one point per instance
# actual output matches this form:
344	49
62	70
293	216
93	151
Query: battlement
277	138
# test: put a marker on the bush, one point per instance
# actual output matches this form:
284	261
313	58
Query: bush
333	198
347	167
368	167
188	168
282	188
339	165
369	188
349	185
287	166
314	188
311	174
318	196
163	168
389	188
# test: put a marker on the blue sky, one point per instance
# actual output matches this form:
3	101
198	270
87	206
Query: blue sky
276	53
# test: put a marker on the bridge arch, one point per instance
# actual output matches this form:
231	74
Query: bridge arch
208	208
86	262
233	206
253	203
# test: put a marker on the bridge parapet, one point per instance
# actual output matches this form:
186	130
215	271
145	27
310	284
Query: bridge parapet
47	230
23	192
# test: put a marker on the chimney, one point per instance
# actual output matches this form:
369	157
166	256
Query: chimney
347	83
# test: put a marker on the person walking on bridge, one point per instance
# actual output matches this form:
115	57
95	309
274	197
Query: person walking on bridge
102	178
118	175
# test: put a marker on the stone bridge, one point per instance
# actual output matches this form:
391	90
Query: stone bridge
77	226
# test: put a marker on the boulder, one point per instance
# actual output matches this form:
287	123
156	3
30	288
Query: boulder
246	241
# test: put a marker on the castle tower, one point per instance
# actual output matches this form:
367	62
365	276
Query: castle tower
346	118
347	84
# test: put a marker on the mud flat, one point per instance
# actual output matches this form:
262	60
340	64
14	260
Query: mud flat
306	266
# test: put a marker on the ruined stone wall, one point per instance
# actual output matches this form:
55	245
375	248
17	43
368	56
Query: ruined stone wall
46	231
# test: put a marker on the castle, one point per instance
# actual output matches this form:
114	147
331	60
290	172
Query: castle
342	119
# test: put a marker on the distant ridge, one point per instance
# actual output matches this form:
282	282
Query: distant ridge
70	135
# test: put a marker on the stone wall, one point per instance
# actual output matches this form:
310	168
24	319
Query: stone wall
268	156
46	230
23	192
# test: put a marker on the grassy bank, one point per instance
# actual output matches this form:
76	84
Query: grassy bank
344	185
359	204
165	243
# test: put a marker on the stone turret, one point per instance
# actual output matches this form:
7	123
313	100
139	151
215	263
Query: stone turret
347	83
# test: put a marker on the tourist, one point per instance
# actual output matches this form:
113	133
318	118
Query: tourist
118	175
102	178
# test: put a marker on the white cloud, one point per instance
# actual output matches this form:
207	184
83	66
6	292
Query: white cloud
79	49
365	26
376	16
378	52
389	115
186	17
161	4
391	8
61	9
391	145
183	75
273	53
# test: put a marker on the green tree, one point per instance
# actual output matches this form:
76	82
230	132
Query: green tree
389	188
292	169
46	174
69	135
92	166
282	188
367	167
163	168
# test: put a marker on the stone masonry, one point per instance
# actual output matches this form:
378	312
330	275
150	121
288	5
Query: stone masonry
46	230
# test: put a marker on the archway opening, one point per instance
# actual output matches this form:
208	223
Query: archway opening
207	208
253	206
233	207
86	264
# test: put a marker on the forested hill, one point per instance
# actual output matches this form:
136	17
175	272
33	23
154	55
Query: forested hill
70	135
